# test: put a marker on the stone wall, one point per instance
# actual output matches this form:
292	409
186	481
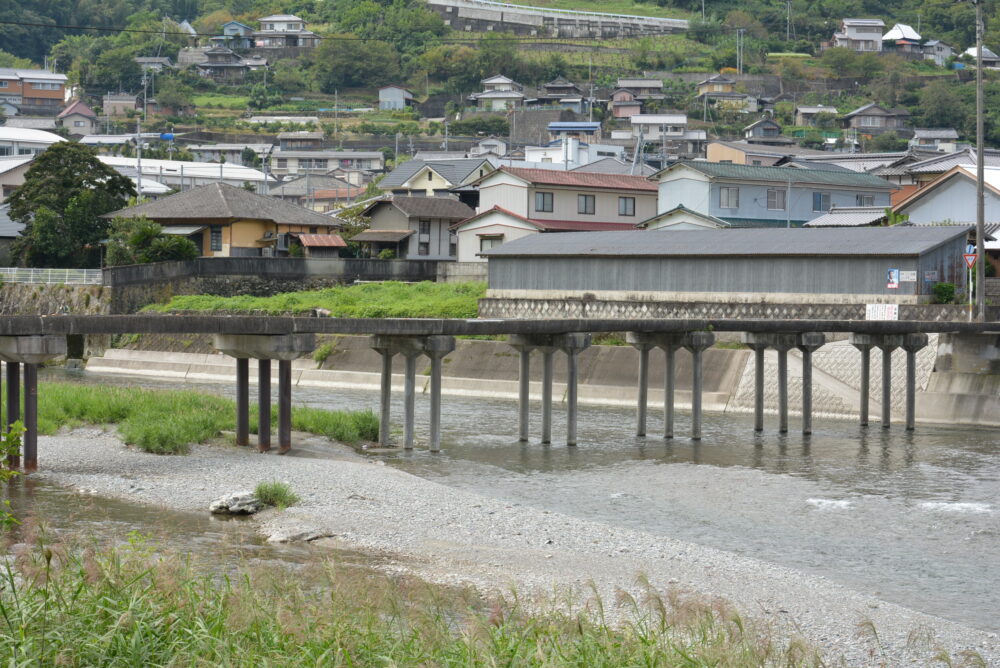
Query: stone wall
595	308
53	298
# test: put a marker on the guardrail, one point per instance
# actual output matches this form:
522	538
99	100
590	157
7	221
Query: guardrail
65	276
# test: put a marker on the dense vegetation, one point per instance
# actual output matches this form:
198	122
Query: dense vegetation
165	422
139	605
367	300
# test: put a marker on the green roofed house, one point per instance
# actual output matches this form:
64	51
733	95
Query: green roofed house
751	196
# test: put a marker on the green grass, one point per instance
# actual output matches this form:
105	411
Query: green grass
221	101
169	421
277	494
139	605
367	300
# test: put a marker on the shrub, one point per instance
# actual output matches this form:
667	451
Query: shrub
277	494
321	353
944	293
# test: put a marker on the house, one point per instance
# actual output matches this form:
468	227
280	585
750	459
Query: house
902	38
759	155
12	171
874	119
938	51
414	227
394	98
643	89
951	197
78	118
184	175
860	35
235	35
430	178
671	131
990	59
850	216
284	163
561	92
716	84
934	139
616	166
489	146
300	140
24	141
624	103
118	104
499	93
229	153
302	190
765	131
318	245
748	196
682	218
154	63
228	221
571	152
806	116
568	196
283	31
224	65
32	92
922	172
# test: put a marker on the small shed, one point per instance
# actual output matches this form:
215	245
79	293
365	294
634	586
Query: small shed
394	98
897	264
320	245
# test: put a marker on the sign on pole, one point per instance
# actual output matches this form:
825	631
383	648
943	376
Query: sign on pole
970	260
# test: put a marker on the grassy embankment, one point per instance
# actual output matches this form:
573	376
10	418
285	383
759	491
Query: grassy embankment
367	300
139	606
168	421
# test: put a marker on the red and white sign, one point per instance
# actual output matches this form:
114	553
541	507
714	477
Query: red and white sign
970	260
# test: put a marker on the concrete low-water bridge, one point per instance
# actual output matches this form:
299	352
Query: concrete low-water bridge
28	341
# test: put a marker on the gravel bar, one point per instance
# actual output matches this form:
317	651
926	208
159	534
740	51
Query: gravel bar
452	536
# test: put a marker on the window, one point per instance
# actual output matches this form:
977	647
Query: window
626	206
452	245
79	124
775	199
313	230
46	86
729	197
821	201
870	121
215	240
430	175
755	163
865	200
486	243
423	248
425	226
6	150
543	201
3	84
282	163
585	204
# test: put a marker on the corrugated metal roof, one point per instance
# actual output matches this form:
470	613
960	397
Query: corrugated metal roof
582	179
784	175
853	216
863	241
322	240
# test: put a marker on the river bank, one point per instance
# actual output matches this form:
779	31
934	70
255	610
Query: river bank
456	536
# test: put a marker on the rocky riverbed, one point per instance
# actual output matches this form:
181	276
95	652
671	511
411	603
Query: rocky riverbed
456	536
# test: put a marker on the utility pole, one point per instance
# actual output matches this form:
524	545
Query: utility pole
980	204
446	136
788	20
702	10
336	114
138	157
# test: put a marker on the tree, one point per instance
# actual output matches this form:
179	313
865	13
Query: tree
942	106
140	241
343	60
174	94
64	193
886	143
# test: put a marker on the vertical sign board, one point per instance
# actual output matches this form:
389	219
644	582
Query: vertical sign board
892	279
881	311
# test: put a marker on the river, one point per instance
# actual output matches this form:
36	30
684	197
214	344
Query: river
913	518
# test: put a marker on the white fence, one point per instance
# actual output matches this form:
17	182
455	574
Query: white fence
65	276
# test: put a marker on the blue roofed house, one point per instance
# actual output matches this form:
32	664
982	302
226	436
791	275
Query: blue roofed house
235	35
751	196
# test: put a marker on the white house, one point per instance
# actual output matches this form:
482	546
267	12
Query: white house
860	34
25	141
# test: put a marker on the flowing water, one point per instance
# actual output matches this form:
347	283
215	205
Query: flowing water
913	518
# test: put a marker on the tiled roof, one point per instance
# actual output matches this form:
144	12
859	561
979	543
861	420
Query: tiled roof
382	236
219	201
77	107
898	240
783	175
454	171
308	185
577	179
614	166
555	225
428	207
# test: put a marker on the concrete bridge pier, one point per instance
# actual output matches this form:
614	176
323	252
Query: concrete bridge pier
264	348
13	405
782	343
864	344
642	342
28	352
912	343
572	344
696	343
808	343
411	347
